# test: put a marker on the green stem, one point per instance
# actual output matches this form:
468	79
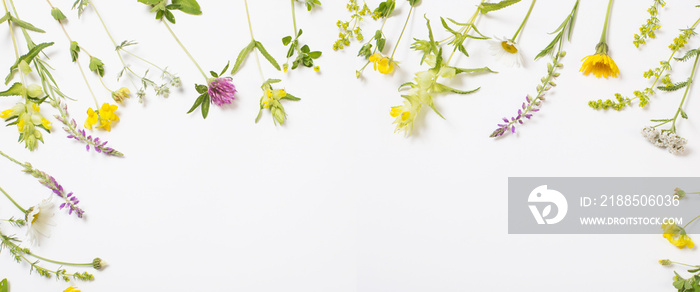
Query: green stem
112	39
470	24
13	201
294	18
604	35
12	159
58	262
401	35
691	221
142	59
683	264
185	49
685	94
524	21
16	47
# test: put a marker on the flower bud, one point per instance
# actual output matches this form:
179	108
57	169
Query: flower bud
98	264
665	262
35	90
24	67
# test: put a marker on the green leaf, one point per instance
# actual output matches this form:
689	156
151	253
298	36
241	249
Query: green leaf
413	2
25	25
380	44
299	33
488	7
33	52
447	27
259	115
213	74
688	55
197	102
673	87
444	88
3	285
683	114
169	16
267	56
97	66
57	14
472	70
205	106
5	17
15	90
201	89
286	40
315	54
225	68
241	57
188	6
432	106
150	2
290	97
74	51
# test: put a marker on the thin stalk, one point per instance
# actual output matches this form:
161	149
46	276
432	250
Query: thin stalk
185	49
401	35
685	94
466	29
683	264
691	221
142	59
524	21
604	35
15	46
13	201
58	262
65	32
12	159
294	17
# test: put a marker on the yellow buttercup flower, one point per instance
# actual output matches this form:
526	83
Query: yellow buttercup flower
600	65
676	235
72	288
383	64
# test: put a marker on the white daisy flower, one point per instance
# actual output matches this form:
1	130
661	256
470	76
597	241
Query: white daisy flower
39	221
506	51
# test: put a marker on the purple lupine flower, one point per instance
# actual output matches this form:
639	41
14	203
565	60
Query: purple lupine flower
221	91
50	182
79	134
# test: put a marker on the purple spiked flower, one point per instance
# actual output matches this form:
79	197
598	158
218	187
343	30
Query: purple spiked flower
221	90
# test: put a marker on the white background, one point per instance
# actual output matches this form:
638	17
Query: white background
334	201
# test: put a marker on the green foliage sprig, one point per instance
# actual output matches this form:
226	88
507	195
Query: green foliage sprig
304	54
649	28
351	29
658	73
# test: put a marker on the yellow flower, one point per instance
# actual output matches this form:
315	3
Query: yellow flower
384	64
121	94
72	288
91	119
404	116
600	65
106	115
676	235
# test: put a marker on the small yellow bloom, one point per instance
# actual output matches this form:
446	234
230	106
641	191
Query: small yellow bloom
72	288
91	119
600	65
106	115
383	64
20	125
317	68
121	94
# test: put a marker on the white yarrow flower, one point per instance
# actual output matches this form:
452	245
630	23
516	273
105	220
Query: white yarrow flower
39	221
506	51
